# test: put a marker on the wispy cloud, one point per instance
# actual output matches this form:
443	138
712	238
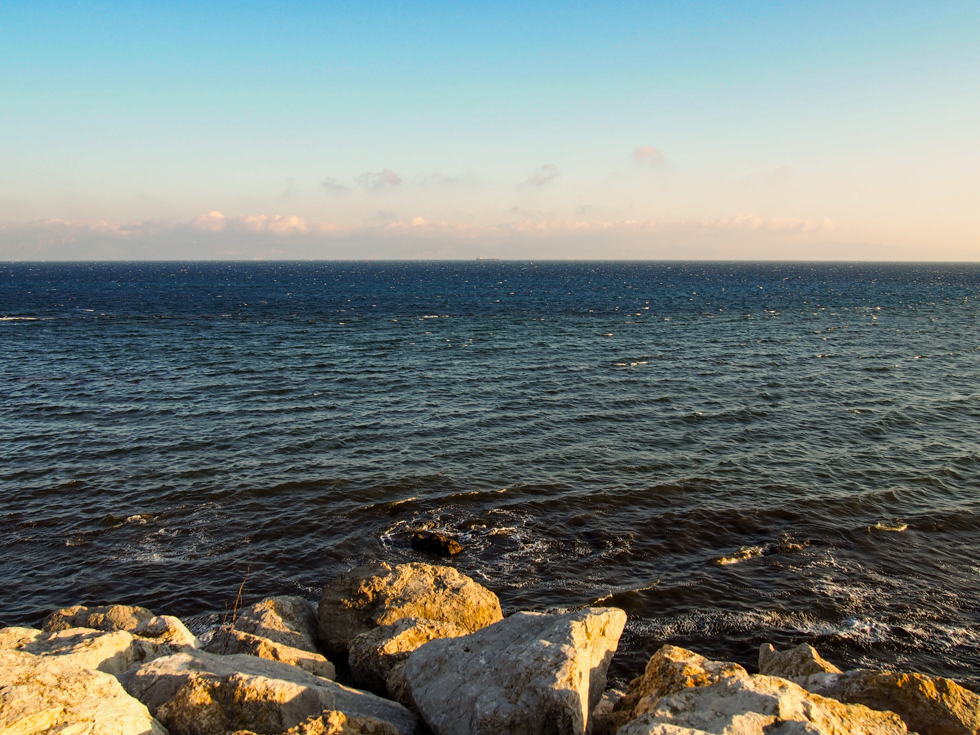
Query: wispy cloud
332	185
379	180
441	179
649	156
544	176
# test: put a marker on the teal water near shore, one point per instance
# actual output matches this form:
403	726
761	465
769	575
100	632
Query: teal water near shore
730	452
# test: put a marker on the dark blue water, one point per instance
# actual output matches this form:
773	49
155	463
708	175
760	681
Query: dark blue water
731	452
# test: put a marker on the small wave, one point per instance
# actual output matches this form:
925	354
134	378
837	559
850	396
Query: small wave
751	552
881	526
20	319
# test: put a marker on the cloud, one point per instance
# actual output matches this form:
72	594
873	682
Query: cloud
780	224
545	176
526	213
649	156
438	179
213	221
379	180
332	185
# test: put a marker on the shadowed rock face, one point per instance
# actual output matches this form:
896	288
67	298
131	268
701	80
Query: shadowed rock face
527	674
41	694
374	654
204	694
379	594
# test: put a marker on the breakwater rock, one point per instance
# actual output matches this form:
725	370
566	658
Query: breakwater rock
437	656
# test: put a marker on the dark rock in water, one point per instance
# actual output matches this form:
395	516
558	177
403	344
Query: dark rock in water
473	523
435	543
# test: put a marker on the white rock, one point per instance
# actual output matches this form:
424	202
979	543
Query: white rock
169	630
49	694
379	594
527	674
198	693
226	641
740	704
286	619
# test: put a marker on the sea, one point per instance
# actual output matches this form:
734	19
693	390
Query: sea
732	453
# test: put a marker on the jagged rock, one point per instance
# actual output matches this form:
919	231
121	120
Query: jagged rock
110	652
286	619
374	654
227	641
669	670
336	723
801	661
929	705
529	673
398	688
435	543
166	629
106	618
198	693
741	704
49	694
379	594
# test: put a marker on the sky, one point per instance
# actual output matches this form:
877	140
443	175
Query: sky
701	130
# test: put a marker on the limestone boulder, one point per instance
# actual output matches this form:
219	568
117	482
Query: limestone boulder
336	723
379	594
167	630
929	705
227	641
50	694
286	619
759	705
794	664
198	693
106	618
374	654
527	674
671	669
110	652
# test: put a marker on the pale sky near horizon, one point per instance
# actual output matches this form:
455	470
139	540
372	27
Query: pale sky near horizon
716	130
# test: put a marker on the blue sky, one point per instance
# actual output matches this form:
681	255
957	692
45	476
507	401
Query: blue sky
706	130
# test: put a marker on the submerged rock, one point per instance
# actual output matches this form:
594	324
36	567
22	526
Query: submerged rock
106	618
50	694
435	543
379	594
226	641
801	661
286	619
199	693
527	674
374	654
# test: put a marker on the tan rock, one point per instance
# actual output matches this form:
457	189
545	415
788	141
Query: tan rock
168	630
226	641
110	652
527	674
107	618
378	594
741	704
49	694
336	723
929	705
793	664
286	619
669	670
199	693
374	654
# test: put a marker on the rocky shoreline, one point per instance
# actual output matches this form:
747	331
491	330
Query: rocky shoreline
415	648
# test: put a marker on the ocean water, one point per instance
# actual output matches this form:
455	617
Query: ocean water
733	453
